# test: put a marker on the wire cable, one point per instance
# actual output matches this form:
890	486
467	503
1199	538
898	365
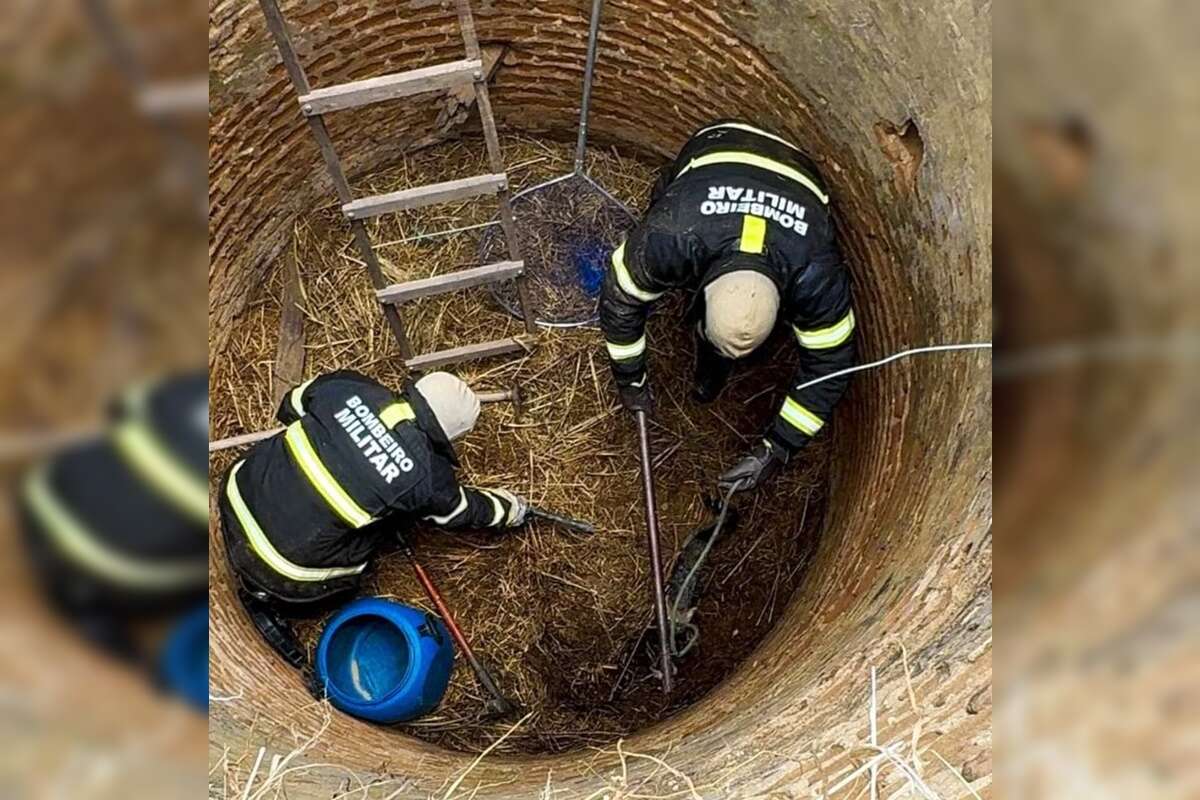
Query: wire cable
673	617
937	348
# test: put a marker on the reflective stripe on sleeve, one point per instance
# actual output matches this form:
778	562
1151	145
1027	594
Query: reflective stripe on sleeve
800	417
754	234
80	544
326	485
825	338
458	509
626	352
263	548
741	126
396	413
762	162
497	507
159	468
625	280
297	394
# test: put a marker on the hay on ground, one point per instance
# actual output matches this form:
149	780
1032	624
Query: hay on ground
559	616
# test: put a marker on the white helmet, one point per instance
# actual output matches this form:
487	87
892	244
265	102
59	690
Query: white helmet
740	308
454	404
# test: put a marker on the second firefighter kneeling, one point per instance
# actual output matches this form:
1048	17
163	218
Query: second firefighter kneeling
305	511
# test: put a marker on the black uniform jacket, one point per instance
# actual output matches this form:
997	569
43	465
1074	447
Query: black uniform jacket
738	197
305	510
119	523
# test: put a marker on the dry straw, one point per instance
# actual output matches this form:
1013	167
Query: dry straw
559	616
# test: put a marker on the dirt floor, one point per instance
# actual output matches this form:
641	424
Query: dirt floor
560	616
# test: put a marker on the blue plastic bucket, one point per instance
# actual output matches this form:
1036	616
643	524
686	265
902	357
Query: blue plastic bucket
183	662
384	661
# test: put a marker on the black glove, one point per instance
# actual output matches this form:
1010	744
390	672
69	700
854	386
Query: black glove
762	462
637	397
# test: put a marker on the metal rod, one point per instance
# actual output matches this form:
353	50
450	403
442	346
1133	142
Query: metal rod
610	196
660	603
567	522
500	703
543	185
588	72
435	234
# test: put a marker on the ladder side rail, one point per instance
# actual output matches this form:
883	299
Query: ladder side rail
466	26
466	22
287	52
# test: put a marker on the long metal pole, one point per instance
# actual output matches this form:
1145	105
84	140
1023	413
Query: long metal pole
660	604
593	41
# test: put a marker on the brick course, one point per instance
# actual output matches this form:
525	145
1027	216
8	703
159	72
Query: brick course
823	72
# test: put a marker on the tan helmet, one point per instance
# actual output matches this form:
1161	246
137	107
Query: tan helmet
740	308
454	403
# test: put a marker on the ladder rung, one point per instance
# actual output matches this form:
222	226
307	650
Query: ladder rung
389	87
471	351
425	196
450	282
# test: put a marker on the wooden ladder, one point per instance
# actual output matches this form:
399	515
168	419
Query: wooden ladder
315	103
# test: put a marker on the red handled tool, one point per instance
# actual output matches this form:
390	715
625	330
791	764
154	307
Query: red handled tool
498	704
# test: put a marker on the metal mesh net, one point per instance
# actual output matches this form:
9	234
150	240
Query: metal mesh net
566	229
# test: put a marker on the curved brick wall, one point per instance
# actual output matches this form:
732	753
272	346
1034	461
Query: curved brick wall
907	554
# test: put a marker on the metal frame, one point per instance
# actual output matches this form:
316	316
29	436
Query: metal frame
589	73
580	166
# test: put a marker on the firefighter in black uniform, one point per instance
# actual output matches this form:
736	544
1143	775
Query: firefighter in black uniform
116	524
303	513
741	218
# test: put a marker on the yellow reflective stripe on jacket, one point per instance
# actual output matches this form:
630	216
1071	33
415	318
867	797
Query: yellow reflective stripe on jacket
741	126
161	469
396	413
625	352
754	234
263	548
458	509
81	545
296	397
762	162
625	280
800	417
824	338
497	507
326	485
